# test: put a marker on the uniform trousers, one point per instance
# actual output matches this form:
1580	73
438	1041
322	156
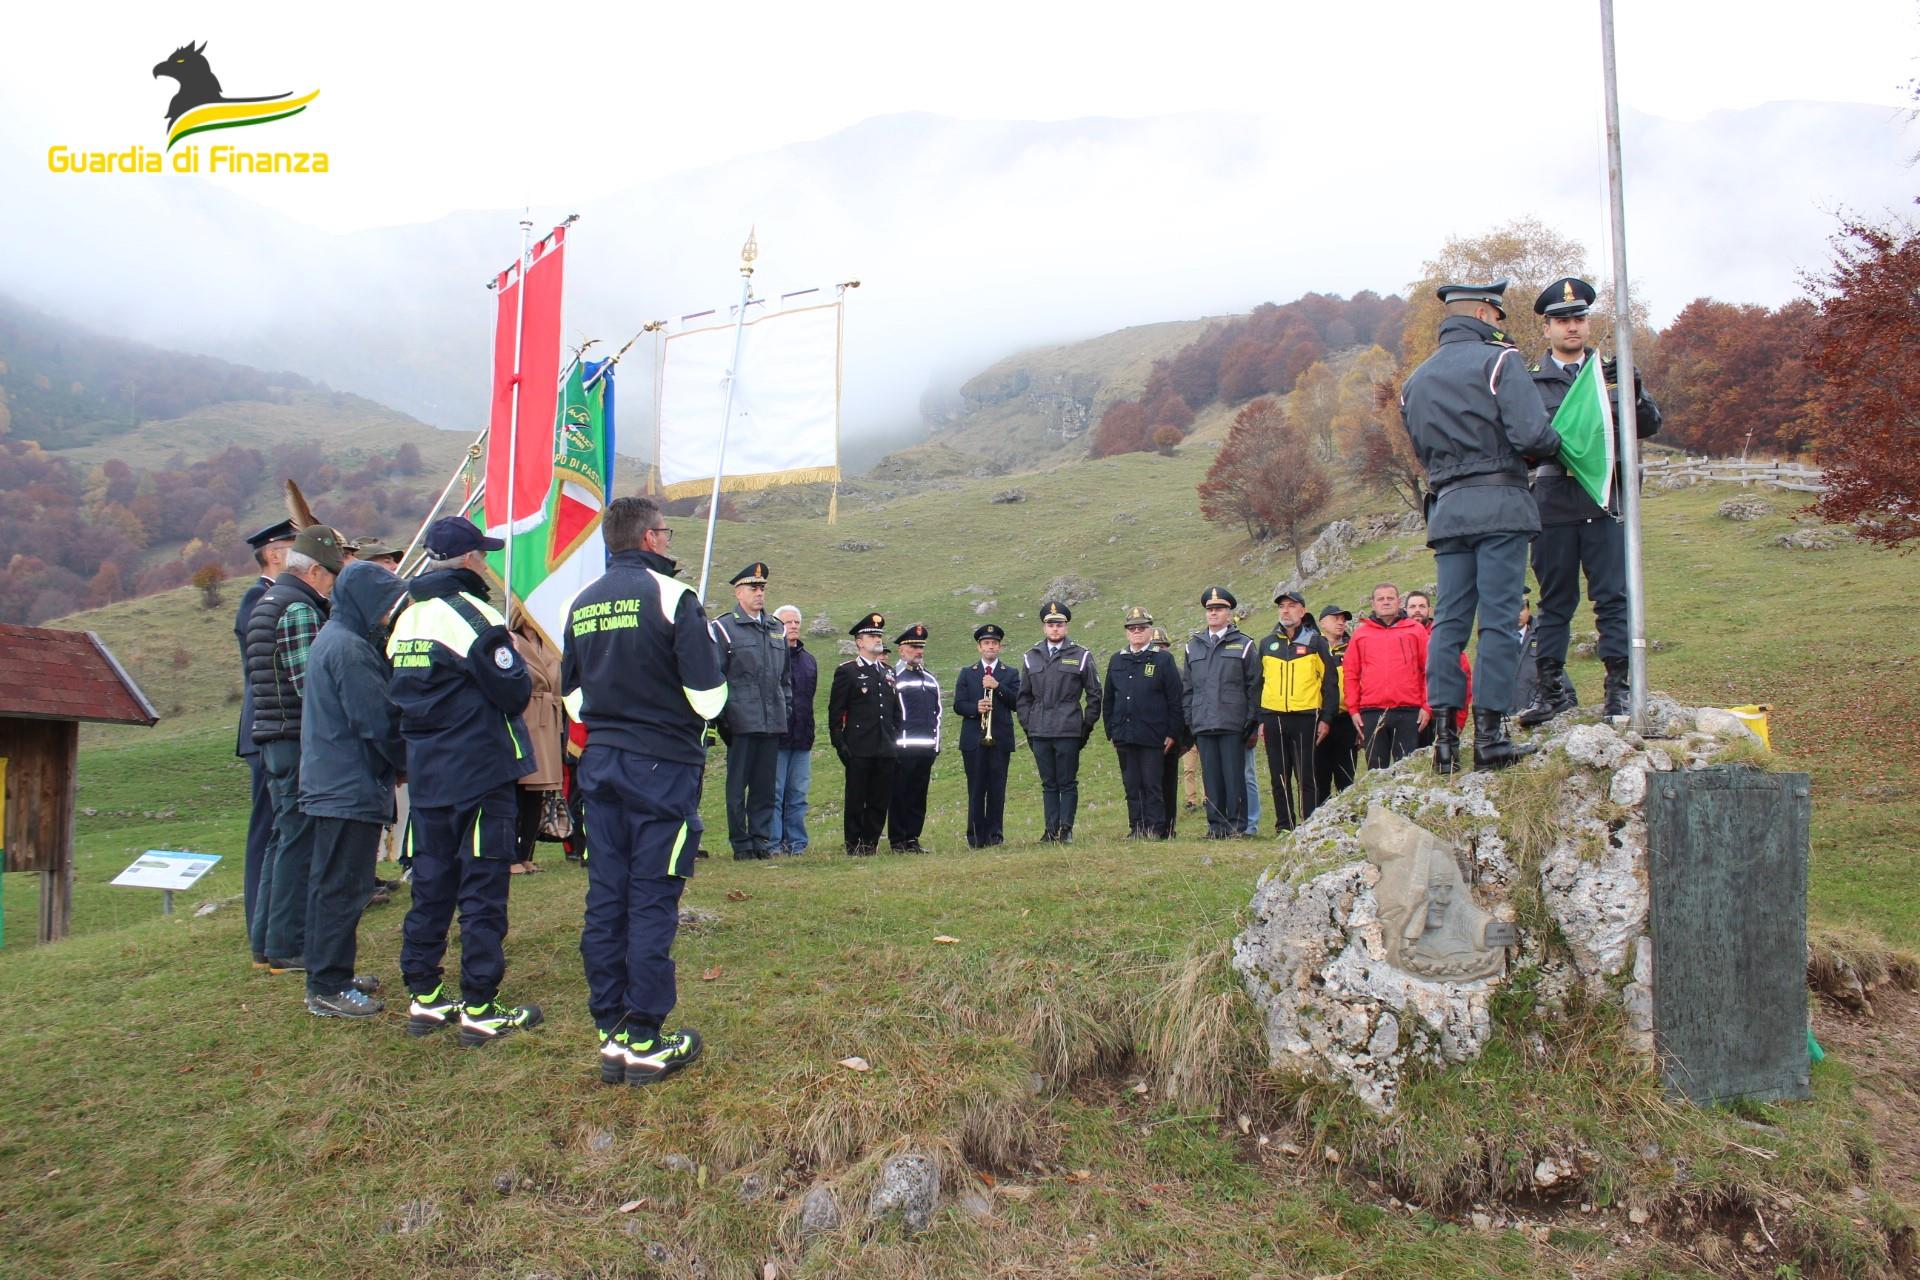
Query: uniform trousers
461	859
986	794
752	767
907	805
869	790
1223	771
1290	765
639	809
1560	552
1144	779
1170	787
280	908
1483	574
259	836
1059	763
1333	758
338	888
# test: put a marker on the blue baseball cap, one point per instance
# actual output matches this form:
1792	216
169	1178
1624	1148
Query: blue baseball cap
451	537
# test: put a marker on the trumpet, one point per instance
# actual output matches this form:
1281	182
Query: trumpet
986	721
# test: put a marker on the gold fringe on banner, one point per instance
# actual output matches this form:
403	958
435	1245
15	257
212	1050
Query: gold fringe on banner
747	484
833	505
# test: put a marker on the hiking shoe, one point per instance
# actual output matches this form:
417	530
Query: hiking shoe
651	1061
616	1054
261	963
365	983
290	964
484	1023
430	1011
351	1003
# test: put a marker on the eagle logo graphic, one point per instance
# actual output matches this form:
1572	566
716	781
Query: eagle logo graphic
200	105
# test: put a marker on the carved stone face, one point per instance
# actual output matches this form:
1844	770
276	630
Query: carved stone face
1430	924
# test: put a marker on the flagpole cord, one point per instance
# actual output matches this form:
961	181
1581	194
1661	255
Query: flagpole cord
748	252
1628	419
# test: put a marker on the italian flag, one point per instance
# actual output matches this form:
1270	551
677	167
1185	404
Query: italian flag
554	557
1585	423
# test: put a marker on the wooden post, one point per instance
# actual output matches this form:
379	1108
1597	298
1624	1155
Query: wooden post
56	881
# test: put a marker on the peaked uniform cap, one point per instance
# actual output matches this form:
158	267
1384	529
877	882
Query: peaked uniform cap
988	631
1216	596
873	624
1494	295
754	575
1160	636
1136	616
1567	296
915	634
1055	611
281	532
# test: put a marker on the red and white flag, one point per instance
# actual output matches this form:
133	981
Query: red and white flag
521	443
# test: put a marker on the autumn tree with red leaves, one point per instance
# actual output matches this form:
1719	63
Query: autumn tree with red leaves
1731	377
1266	477
1864	354
1383	458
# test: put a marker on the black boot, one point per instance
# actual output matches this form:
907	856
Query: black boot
1048	838
1491	748
1063	836
1554	695
1446	740
1619	694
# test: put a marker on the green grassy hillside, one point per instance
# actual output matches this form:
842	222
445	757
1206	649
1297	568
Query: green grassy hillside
1079	1046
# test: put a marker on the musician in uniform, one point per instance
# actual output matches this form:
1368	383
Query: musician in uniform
984	697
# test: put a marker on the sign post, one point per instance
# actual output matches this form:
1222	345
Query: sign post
166	870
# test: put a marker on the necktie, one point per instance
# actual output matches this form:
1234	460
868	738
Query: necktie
1573	370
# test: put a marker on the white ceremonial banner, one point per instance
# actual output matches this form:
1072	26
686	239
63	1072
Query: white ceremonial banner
786	408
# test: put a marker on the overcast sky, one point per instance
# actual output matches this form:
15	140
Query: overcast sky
430	108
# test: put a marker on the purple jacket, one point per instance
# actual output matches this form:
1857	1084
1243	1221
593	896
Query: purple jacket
803	676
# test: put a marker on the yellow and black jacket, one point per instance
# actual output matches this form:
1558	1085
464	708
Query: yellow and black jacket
1298	673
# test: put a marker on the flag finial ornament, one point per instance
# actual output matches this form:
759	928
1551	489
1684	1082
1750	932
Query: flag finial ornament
749	251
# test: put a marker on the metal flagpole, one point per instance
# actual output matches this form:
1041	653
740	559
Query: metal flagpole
1629	428
748	252
472	455
513	418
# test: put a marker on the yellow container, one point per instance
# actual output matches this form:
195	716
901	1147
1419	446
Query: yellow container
1755	718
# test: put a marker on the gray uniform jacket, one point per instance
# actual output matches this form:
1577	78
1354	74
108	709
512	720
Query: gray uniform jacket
1222	688
1475	418
1059	695
753	655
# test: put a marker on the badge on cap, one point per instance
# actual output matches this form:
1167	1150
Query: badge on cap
872	625
1217	598
1136	616
915	634
1055	611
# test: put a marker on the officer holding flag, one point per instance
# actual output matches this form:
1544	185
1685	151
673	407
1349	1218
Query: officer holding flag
1577	534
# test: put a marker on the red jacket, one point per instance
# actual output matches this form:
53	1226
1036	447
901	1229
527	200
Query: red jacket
1386	665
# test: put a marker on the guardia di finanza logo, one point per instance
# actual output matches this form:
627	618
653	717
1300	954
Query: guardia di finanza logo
200	105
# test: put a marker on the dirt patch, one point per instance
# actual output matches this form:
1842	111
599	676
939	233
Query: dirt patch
1883	1052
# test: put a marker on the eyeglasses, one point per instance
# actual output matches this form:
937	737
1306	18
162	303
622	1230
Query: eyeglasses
666	534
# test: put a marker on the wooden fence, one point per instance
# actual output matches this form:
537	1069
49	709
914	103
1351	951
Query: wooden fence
1779	475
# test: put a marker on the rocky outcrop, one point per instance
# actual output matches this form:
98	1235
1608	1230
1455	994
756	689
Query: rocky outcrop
1372	949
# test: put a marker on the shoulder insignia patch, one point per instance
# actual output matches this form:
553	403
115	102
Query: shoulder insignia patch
503	657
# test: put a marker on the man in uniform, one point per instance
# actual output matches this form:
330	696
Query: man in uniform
1171	764
461	687
1333	758
1576	533
280	633
640	669
918	743
753	653
1475	420
1222	693
981	719
863	723
1142	709
1299	700
1059	705
270	553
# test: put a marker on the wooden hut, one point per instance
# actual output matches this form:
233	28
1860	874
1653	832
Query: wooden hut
51	680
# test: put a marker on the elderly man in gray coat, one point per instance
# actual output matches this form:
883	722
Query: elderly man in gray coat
753	653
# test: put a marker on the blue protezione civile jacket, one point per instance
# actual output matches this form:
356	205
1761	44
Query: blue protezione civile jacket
638	665
461	688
